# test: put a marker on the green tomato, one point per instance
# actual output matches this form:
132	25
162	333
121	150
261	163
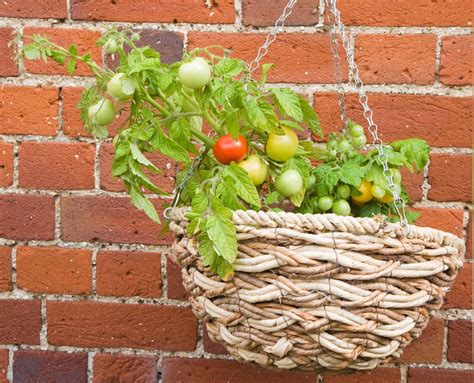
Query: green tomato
195	74
135	36
289	183
356	130
344	191
256	169
345	146
102	113
377	191
116	89
359	142
314	203
310	181
396	176
341	207
325	203
110	47
332	145
282	147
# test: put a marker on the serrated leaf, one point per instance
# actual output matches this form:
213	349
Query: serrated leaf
375	175
71	66
210	258
229	67
265	69
273	197
310	118
288	103
351	173
139	157
242	183
143	203
169	147
255	114
416	151
232	123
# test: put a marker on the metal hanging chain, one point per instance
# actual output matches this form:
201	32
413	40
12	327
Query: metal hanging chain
399	203
271	37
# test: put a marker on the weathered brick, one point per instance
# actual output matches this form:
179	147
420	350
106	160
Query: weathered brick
210	346
450	220
5	268
8	67
72	123
28	110
3	365
396	59
469	234
124	368
20	321
460	295
460	341
456	60
292	53
176	289
56	165
413	183
428	348
92	324
42	9
441	120
129	273
6	163
450	177
49	366
84	39
406	13
54	270
108	219
164	181
260	13
435	375
155	11
27	217
380	375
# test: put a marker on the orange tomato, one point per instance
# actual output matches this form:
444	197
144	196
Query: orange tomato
366	195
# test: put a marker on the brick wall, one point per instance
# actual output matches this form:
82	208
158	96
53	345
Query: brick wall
86	294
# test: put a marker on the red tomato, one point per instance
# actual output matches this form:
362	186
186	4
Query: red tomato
227	150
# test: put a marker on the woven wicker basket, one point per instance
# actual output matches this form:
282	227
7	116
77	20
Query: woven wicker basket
314	292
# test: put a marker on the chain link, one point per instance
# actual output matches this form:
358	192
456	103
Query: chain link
399	203
271	37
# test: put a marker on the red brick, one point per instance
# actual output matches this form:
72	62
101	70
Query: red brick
124	368
5	269
92	324
56	165
176	289
413	183
456	60
184	370
396	59
435	375
380	375
20	321
155	11
441	120
28	110
164	181
49	366
8	67
6	163
460	341
469	235
129	273
260	13
108	219
54	270
3	365
42	9
84	39
293	54
27	217
428	348
406	12
460	295
210	346
450	177
449	220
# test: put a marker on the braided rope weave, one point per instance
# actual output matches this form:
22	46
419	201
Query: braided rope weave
320	291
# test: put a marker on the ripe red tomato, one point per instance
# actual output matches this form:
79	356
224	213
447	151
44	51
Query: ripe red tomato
227	150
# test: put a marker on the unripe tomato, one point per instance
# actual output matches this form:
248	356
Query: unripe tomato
396	176
356	130
256	169
195	74
325	203
344	191
289	183
227	150
282	147
366	195
345	146
341	207
310	181
102	113
115	87
359	142
110	47
377	191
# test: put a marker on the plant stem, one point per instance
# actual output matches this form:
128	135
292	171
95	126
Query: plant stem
210	120
155	104
209	142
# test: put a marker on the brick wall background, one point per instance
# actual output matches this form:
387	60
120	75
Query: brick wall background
86	294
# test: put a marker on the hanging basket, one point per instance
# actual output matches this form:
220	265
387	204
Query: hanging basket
314	292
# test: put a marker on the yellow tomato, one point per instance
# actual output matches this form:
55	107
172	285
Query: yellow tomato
366	195
387	198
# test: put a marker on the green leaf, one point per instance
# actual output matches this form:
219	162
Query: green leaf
288	103
73	50
291	124
229	67
232	123
139	157
273	197
375	175
143	203
370	209
119	166
326	179
351	173
210	258
265	69
168	147
242	183
255	114
71	66
227	194
415	150
310	118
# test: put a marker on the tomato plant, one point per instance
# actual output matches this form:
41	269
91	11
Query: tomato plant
102	112
256	169
226	149
341	207
195	74
289	183
120	87
281	147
